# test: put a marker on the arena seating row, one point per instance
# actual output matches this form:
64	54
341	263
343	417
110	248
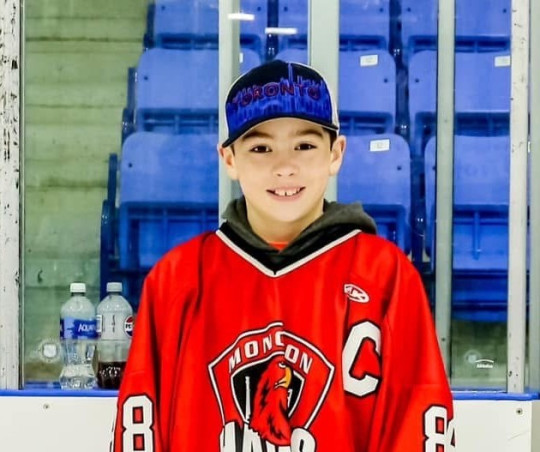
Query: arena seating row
481	25
168	172
180	24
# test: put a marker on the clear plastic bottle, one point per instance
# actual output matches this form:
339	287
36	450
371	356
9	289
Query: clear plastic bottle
78	337
115	328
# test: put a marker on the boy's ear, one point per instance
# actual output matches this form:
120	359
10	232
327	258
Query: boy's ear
337	151
227	156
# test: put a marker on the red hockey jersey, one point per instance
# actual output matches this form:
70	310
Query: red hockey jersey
332	351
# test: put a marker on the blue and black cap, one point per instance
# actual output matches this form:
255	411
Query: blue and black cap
278	89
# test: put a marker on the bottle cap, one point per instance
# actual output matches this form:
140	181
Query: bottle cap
77	287
114	287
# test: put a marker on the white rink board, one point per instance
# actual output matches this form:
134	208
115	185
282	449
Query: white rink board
56	424
83	424
494	425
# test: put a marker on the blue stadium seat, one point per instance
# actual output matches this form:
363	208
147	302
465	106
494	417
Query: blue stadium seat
376	172
364	24
367	89
168	194
481	25
177	90
482	95
182	24
480	224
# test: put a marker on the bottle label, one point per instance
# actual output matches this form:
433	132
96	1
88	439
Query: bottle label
71	328
128	326
115	326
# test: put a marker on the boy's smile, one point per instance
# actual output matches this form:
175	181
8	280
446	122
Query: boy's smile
283	166
286	192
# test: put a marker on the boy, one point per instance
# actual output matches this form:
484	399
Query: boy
293	328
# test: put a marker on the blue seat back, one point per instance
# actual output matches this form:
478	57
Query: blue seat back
169	168
364	24
481	187
195	24
177	90
376	172
367	89
481	25
168	193
482	94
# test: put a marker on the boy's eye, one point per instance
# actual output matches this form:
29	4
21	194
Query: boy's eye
260	149
304	147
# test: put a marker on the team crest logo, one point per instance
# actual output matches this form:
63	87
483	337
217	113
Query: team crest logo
270	385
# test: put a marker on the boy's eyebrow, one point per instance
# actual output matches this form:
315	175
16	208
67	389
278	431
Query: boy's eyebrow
255	134
310	131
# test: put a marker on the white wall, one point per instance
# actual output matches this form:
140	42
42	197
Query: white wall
67	424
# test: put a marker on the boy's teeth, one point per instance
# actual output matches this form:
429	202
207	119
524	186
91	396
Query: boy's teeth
286	192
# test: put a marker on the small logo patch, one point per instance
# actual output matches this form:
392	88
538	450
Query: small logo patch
354	293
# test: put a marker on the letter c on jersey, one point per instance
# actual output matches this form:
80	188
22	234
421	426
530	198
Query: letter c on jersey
359	333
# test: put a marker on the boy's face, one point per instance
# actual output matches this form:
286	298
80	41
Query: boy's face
283	166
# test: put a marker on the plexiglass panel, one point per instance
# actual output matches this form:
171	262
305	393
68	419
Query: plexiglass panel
481	193
388	110
77	56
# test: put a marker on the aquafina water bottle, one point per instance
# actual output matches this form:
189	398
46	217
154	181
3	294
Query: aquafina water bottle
115	328
78	337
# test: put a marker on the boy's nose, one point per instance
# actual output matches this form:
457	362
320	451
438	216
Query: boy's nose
285	170
285	167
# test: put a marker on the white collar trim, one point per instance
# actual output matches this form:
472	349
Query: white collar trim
291	267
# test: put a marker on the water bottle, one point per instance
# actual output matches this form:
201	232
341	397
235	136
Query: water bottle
115	328
78	337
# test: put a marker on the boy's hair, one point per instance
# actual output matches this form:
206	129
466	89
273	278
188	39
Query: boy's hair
279	89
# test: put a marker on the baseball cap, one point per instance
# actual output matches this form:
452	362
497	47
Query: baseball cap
278	89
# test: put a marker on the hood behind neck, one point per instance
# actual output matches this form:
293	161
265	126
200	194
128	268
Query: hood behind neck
336	217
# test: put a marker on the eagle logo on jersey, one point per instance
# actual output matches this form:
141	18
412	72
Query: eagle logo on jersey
270	385
269	417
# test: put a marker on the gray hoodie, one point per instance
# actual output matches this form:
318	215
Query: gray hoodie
336	221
